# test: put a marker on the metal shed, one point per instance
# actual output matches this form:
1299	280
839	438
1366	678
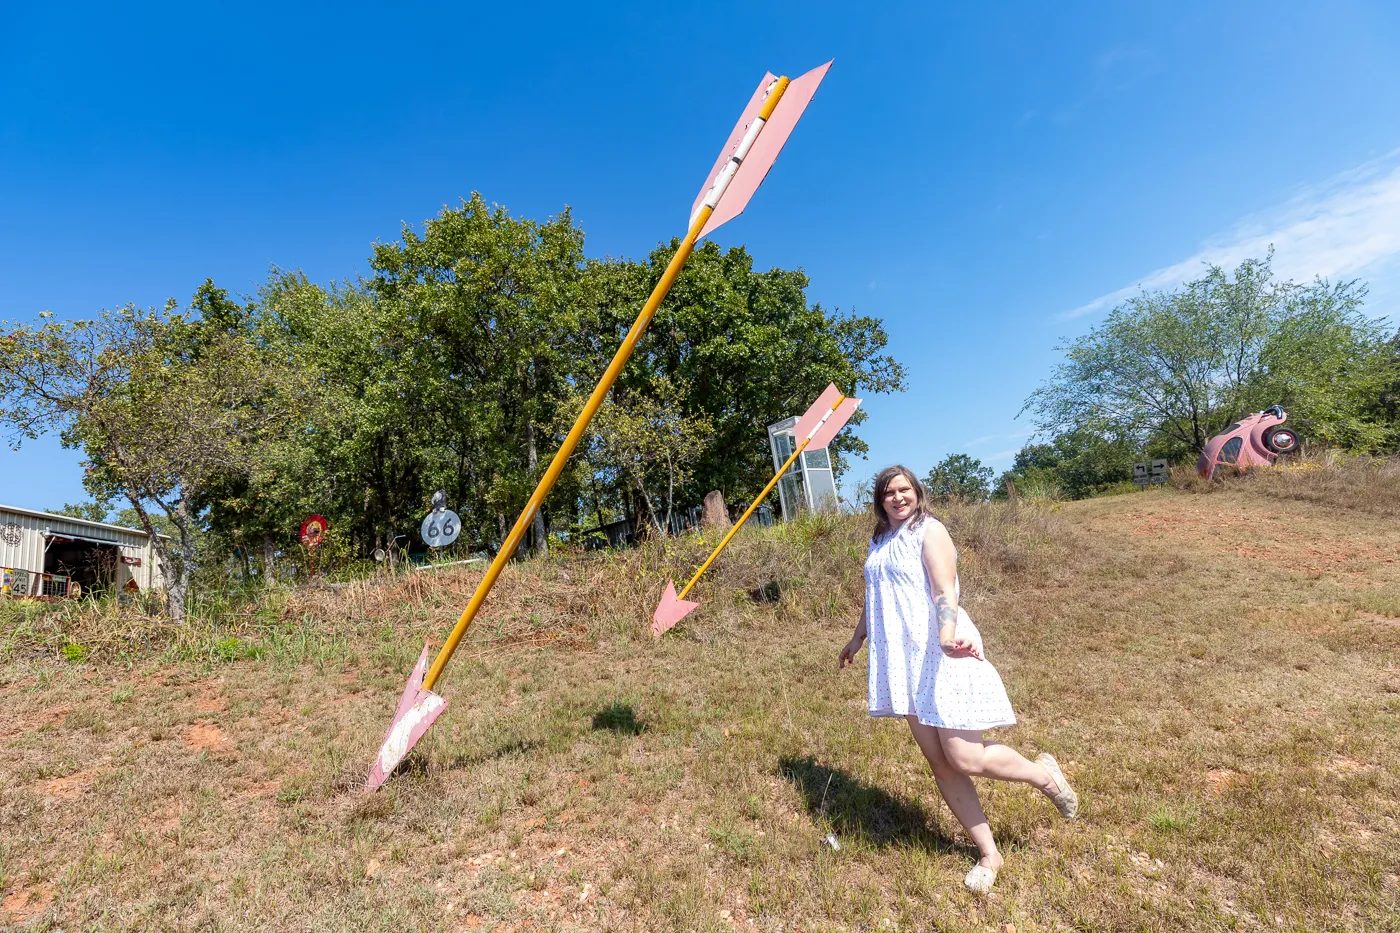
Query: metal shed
42	554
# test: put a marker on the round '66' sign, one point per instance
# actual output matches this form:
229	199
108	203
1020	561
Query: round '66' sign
440	528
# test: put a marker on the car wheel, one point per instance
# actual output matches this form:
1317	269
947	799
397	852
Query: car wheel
1281	440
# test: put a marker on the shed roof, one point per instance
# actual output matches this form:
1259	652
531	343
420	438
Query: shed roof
35	513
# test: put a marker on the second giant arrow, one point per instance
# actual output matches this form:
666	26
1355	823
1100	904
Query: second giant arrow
817	427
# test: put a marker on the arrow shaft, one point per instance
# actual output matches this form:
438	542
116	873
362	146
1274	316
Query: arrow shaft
756	502
556	466
600	392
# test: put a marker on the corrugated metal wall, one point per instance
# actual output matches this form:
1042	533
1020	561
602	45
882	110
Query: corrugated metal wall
28	552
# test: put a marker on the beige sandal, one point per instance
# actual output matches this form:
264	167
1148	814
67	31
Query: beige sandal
1065	799
980	879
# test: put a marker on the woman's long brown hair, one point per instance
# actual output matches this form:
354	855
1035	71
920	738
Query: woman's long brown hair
882	482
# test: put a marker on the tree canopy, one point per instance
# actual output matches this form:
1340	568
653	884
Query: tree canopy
167	405
959	476
1171	368
456	364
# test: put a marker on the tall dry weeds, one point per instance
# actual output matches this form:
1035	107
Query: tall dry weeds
1329	478
811	568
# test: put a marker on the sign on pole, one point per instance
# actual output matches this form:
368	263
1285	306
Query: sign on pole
312	531
1150	473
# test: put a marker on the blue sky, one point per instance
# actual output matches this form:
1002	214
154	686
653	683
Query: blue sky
987	181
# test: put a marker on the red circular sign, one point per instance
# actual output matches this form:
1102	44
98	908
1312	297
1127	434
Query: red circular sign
312	529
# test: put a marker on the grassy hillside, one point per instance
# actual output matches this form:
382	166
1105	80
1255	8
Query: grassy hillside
1218	673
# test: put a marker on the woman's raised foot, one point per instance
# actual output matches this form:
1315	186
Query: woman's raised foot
1063	797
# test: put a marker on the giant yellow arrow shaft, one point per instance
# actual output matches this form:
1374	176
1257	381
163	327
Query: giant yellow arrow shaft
600	392
756	502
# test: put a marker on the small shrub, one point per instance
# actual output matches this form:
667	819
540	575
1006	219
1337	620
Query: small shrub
1164	821
739	845
76	652
618	717
233	648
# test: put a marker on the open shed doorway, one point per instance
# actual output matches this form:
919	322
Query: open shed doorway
90	564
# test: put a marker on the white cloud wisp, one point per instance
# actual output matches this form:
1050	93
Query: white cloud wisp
1347	227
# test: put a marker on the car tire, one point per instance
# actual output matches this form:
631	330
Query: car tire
1281	440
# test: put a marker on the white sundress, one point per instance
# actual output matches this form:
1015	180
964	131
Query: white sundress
909	673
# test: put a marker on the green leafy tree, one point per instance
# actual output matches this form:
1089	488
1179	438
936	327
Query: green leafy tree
749	349
317	464
94	511
959	476
1170	369
650	444
162	402
1075	465
495	308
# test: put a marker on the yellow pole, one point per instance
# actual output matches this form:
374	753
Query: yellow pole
749	511
595	401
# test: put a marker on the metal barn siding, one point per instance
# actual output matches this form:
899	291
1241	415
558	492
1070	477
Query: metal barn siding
23	543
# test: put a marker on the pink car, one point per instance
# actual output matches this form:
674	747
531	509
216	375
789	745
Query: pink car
1257	440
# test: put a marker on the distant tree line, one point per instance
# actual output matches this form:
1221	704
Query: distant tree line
456	364
1169	369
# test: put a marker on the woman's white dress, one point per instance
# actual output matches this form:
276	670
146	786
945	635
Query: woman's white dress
909	673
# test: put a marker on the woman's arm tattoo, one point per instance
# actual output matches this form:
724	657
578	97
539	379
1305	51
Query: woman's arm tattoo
947	612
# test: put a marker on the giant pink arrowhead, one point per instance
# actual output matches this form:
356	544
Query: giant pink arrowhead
418	708
670	610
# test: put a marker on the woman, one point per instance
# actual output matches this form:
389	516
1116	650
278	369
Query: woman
928	666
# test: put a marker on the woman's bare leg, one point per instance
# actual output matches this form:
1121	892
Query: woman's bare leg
959	793
969	753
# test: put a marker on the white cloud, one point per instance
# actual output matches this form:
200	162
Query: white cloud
981	440
1013	436
1347	227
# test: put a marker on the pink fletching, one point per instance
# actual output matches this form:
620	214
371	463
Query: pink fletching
740	128
836	422
820	407
765	149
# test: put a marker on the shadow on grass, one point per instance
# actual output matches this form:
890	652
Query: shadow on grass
421	763
855	809
618	717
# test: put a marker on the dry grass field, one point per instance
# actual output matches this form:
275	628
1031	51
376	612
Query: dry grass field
1218	673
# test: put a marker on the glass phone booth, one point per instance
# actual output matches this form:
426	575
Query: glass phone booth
809	484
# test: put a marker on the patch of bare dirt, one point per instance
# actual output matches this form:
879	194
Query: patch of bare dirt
1219	780
1344	764
27	903
204	736
211	700
68	787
